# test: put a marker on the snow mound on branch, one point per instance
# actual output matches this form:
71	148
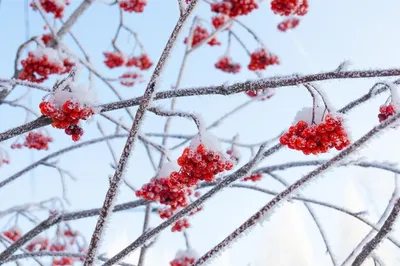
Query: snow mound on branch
69	90
189	253
209	141
52	55
167	168
306	114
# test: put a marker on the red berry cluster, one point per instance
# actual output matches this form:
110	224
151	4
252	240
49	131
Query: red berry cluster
133	5
185	261
290	7
199	164
219	20
225	64
254	177
199	35
385	111
46	38
38	244
42	66
128	79
65	240
114	59
255	93
234	8
143	62
161	190
260	59
287	24
34	140
52	6
180	225
67	117
316	139
14	233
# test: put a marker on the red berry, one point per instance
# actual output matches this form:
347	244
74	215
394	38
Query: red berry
225	64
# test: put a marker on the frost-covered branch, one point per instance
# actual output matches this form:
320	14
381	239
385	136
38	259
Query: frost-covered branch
129	145
225	90
292	189
55	254
383	218
383	232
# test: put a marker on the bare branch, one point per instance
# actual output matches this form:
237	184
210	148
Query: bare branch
385	230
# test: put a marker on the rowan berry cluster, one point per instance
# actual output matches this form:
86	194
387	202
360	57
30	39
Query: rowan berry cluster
13	234
316	139
46	38
287	24
184	258
180	225
199	35
34	140
385	111
234	8
199	164
133	5
261	59
130	78
52	6
42	63
38	244
142	62
65	240
225	64
254	177
160	190
175	183
219	20
289	7
67	116
114	59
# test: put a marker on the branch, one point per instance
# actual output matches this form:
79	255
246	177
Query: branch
144	104
273	82
385	230
286	194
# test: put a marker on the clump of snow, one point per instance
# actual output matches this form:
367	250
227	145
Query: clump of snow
167	168
306	114
209	141
52	55
189	253
69	90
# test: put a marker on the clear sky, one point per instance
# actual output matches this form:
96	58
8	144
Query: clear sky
362	31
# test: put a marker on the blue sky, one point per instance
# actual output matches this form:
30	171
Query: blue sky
362	31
